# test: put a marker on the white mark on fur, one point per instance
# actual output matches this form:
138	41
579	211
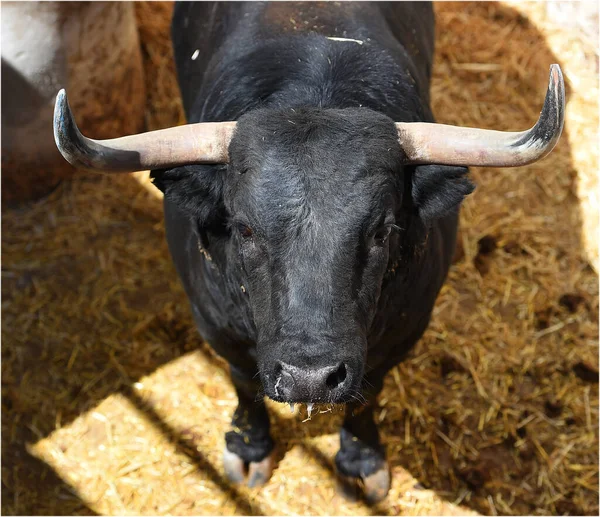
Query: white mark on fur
195	54
276	385
360	42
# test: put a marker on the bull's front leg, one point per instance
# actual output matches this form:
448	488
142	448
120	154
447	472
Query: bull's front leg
361	456
248	455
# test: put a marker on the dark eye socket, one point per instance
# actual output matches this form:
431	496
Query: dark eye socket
382	234
245	231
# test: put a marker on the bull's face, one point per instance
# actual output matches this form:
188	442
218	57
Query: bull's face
312	198
308	216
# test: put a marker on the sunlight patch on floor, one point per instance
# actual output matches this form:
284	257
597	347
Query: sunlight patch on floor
156	449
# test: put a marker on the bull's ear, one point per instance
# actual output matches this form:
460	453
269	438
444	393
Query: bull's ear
438	190
197	190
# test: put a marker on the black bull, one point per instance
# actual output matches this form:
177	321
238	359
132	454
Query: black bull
313	236
326	275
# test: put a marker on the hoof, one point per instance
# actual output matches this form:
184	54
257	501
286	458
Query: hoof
372	489
348	488
234	466
377	485
252	474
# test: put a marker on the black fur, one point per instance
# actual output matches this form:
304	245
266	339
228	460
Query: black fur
196	190
439	190
319	247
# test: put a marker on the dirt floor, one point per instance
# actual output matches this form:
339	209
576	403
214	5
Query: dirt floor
111	403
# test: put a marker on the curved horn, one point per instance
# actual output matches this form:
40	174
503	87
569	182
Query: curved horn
450	145
205	142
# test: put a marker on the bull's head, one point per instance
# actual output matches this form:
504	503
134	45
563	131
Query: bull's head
310	204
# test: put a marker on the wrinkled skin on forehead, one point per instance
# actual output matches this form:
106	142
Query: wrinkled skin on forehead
318	190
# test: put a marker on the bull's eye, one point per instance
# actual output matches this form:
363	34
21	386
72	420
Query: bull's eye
381	236
245	231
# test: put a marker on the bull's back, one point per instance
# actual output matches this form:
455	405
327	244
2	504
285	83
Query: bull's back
207	34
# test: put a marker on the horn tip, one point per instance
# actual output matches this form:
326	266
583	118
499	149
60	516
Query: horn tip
60	107
61	101
556	92
65	129
556	76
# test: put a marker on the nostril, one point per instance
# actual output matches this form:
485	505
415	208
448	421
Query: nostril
336	378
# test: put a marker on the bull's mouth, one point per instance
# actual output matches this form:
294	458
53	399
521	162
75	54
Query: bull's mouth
310	409
356	396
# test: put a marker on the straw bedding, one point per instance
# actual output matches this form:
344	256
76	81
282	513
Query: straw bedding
112	404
